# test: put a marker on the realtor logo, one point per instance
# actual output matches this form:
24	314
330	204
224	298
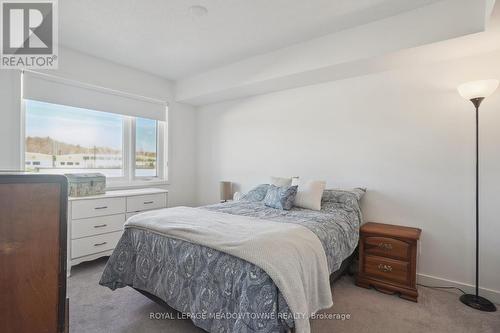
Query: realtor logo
29	34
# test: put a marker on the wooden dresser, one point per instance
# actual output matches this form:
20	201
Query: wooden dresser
32	253
96	222
388	259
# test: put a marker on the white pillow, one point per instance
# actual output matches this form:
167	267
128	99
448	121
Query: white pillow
280	181
309	194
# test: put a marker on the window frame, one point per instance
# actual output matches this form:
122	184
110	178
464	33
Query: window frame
128	178
133	138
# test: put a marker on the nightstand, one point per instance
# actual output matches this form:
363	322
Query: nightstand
388	259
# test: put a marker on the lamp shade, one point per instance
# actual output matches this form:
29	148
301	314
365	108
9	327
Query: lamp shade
226	191
477	89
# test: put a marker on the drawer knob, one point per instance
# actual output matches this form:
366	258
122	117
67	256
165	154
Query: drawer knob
385	268
102	207
100	226
385	246
100	244
148	202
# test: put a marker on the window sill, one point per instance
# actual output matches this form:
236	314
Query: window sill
118	185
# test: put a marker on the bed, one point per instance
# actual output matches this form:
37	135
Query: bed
220	292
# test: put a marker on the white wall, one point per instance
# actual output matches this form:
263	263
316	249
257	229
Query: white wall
88	69
406	135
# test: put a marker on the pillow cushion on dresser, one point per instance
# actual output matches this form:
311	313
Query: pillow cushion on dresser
309	194
280	197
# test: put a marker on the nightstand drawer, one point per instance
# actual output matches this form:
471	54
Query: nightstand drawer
387	269
388	259
387	247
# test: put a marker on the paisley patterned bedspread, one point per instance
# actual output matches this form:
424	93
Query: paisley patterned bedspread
219	292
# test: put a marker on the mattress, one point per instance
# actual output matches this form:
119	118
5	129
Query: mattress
220	292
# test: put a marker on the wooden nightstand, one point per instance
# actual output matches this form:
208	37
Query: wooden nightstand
388	259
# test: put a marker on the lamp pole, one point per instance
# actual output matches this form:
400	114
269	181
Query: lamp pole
477	103
475	301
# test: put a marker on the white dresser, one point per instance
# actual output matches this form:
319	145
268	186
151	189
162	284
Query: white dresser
95	223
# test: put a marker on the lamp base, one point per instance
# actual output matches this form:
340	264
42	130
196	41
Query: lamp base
478	303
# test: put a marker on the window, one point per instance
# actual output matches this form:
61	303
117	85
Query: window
63	139
146	133
57	136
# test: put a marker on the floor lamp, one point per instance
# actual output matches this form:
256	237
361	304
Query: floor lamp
476	92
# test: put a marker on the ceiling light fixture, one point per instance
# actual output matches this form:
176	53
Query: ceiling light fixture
198	11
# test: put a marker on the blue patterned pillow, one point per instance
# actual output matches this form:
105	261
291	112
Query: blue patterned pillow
337	198
280	197
342	196
258	193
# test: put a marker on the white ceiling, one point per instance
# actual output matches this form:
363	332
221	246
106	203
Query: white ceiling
162	37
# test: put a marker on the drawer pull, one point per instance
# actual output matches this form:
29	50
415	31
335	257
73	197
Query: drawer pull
148	202
385	246
103	207
385	268
100	244
100	226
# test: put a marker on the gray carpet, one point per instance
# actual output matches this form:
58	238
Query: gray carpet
97	309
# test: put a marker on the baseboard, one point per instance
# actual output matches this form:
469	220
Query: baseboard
492	295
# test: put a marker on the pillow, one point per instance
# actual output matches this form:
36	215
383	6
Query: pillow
280	181
280	197
335	199
343	196
309	195
258	193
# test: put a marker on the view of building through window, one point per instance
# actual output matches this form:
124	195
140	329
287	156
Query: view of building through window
63	139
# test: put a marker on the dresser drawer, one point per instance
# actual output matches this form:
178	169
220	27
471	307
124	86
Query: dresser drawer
97	207
387	247
387	269
146	202
94	244
96	225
